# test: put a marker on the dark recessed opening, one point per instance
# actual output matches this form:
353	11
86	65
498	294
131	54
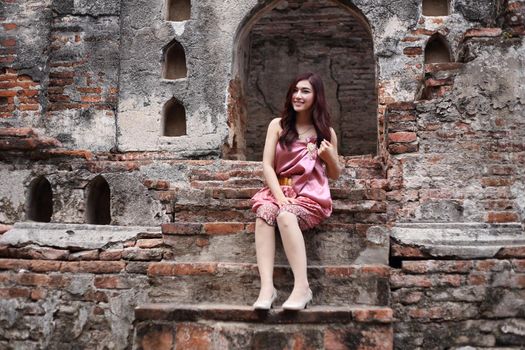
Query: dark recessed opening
40	200
437	50
175	62
3	101
395	262
98	202
178	10
436	8
174	119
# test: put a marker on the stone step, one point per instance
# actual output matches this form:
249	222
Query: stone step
238	283
170	326
329	244
366	211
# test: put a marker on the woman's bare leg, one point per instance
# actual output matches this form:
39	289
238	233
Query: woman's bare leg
265	249
295	250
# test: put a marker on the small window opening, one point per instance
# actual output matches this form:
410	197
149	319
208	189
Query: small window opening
178	10
436	7
98	202
175	62
174	119
3	100
40	201
437	51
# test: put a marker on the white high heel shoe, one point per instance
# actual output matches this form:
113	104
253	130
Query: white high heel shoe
265	304
299	305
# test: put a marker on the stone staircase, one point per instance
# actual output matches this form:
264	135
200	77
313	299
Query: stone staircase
201	291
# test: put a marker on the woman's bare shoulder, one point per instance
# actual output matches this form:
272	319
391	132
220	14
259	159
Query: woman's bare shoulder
275	121
275	125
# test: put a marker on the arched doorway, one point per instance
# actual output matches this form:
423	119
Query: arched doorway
293	37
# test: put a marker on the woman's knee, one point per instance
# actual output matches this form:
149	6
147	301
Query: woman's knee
285	220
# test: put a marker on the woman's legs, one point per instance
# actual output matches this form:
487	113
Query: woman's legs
265	249
293	243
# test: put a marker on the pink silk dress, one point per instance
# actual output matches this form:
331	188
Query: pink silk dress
310	187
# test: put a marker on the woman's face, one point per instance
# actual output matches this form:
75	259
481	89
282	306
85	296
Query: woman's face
303	96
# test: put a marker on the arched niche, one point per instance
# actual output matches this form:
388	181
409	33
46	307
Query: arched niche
173	119
98	202
178	10
287	38
437	50
436	7
174	62
40	200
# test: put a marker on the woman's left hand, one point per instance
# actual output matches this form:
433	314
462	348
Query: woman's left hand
327	151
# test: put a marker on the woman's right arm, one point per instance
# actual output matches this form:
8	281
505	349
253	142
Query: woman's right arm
270	144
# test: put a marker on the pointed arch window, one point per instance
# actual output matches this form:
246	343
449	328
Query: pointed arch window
174	119
178	10
437	50
436	8
40	200
98	203
175	62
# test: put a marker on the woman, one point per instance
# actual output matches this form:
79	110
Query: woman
300	151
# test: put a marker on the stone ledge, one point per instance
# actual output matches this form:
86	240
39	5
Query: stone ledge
77	236
460	240
236	313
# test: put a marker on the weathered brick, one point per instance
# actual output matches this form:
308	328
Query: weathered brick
111	282
402	137
44	265
93	266
14	292
218	228
176	269
161	338
9	26
431	266
38	293
483	32
8	42
14	264
142	254
413	51
84	255
373	315
398	280
502	216
193	336
149	243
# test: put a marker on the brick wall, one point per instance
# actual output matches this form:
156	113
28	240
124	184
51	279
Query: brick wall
447	304
56	298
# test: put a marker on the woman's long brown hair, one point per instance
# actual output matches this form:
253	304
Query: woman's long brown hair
320	114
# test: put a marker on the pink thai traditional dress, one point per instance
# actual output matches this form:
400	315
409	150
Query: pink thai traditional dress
309	186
